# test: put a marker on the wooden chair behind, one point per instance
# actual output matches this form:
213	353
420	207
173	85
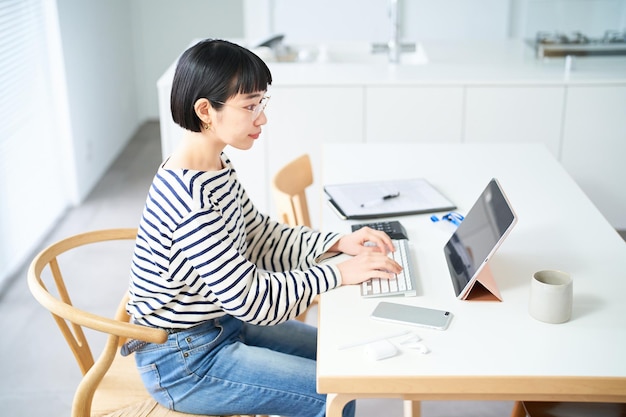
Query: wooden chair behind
289	189
111	385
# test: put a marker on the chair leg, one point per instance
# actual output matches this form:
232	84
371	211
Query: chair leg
518	410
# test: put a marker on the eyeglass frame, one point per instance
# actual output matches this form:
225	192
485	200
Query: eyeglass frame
258	108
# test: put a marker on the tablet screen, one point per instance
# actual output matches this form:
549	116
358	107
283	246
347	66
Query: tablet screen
478	236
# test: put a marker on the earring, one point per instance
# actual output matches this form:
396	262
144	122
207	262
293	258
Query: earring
206	126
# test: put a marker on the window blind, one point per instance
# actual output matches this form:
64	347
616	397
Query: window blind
32	194
22	53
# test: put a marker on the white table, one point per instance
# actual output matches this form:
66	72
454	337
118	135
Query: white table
492	350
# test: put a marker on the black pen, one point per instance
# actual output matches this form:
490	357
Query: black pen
380	200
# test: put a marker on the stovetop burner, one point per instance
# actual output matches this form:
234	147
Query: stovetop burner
555	44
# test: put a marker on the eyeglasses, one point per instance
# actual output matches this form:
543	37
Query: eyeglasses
255	109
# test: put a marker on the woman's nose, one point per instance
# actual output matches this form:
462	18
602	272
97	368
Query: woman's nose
261	120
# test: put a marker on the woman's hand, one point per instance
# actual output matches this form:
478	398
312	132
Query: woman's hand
370	248
364	240
368	265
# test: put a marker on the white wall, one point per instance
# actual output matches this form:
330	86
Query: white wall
162	29
303	21
107	60
99	73
114	51
325	20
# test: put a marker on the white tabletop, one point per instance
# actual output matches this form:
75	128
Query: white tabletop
558	228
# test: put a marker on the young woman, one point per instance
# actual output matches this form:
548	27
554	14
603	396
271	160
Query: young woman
222	278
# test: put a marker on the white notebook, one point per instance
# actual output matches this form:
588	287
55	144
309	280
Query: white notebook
375	199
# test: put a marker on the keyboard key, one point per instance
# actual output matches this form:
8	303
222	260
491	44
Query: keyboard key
393	285
384	285
376	285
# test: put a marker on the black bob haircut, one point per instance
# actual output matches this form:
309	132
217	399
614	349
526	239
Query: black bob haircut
216	70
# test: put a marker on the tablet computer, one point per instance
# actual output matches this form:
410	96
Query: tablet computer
474	242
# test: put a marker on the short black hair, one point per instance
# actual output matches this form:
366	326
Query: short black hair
216	70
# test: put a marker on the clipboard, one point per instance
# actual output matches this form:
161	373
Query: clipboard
376	199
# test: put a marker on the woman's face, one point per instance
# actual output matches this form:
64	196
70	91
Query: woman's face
237	123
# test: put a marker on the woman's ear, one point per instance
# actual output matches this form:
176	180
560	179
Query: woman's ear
202	107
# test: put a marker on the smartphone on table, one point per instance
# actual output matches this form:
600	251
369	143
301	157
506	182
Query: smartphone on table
412	315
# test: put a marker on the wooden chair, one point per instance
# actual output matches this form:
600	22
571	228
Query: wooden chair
289	188
111	385
567	409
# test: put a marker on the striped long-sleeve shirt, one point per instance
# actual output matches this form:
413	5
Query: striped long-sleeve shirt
203	251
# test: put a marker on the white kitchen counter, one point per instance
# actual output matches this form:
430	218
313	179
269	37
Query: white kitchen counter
454	63
449	63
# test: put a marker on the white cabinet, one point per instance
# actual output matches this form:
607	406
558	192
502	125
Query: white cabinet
301	119
594	146
515	114
414	114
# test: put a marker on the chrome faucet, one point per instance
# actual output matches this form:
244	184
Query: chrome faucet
393	47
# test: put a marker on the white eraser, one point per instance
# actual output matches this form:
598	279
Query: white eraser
381	349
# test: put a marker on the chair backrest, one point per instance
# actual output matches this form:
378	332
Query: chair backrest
71	320
289	189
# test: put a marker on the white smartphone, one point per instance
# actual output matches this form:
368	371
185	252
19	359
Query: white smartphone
413	315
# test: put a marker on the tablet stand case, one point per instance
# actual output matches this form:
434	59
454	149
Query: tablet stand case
484	287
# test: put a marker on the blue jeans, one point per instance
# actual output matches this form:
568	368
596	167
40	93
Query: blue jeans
225	366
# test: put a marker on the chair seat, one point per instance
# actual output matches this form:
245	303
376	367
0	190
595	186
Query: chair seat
574	409
147	408
122	394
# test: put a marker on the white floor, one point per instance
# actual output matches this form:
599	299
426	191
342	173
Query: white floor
39	371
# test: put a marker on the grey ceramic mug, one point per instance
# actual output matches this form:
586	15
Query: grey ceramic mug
551	296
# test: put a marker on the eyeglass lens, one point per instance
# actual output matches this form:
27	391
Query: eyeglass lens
261	106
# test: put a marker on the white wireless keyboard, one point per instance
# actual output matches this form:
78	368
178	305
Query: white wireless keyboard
402	284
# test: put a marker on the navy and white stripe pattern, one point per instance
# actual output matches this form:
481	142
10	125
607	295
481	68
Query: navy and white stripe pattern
203	251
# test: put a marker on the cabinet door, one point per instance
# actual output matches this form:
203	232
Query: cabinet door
594	146
414	114
301	120
515	114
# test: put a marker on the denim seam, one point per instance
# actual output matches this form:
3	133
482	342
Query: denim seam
244	385
160	392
